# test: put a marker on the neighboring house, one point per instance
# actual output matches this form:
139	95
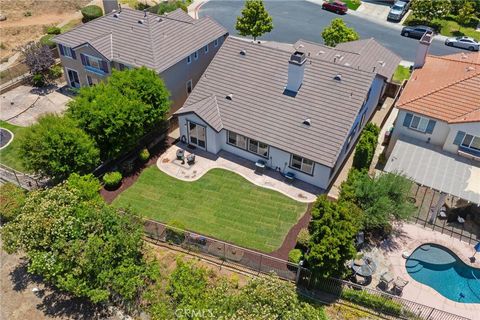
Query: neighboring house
436	138
284	104
175	45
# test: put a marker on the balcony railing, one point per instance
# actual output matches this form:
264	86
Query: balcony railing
100	72
464	151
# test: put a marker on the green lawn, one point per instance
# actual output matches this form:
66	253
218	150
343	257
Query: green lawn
402	73
352	4
222	204
447	26
9	156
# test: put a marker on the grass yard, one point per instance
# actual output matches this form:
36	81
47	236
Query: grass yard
222	204
352	4
402	73
9	156
448	26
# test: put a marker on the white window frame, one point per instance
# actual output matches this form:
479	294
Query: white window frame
70	80
189	84
189	59
195	55
469	145
243	142
205	49
302	164
65	50
215	43
421	125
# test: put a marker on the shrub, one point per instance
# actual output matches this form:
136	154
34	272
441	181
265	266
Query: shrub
53	30
91	12
47	40
366	146
374	302
166	7
295	255
112	180
11	201
303	239
144	155
38	80
55	72
127	167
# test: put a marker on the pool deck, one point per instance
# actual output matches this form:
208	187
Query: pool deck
408	237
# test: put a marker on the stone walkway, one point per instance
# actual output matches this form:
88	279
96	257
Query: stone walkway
205	161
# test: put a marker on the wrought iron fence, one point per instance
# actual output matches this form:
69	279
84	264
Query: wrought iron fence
318	289
21	179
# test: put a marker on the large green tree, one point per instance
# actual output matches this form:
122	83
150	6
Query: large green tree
255	20
118	112
333	229
428	10
55	148
338	32
80	244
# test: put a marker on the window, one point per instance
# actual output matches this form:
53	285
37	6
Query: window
189	86
247	144
419	123
94	64
215	43
92	81
471	142
195	55
206	49
189	59
197	135
301	164
67	51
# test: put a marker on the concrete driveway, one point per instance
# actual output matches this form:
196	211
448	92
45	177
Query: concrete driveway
23	105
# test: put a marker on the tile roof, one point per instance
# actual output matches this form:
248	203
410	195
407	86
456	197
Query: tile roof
259	109
154	41
446	88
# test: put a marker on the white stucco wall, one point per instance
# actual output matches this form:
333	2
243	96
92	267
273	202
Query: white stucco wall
212	144
472	128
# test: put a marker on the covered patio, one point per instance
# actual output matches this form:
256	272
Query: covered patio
204	161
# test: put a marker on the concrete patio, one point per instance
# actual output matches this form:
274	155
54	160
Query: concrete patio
205	161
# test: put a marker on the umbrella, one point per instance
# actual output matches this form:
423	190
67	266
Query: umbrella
366	269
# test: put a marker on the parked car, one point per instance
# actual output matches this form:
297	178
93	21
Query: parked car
398	10
415	31
335	6
463	42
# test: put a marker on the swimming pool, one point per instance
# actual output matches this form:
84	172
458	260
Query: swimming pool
439	268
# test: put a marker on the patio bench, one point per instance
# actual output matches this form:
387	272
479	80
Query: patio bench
289	177
260	166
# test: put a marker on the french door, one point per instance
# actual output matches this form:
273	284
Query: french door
73	79
197	135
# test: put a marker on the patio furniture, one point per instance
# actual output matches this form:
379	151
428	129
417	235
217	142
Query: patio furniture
385	280
364	267
260	166
359	239
398	286
442	214
289	177
460	220
180	154
191	159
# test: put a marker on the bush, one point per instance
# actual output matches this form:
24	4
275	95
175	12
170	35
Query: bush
112	180
303	239
53	30
144	155
166	7
373	302
127	167
38	80
295	255
47	40
366	146
11	201
55	72
91	12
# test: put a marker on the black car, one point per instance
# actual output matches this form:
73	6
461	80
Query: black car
415	31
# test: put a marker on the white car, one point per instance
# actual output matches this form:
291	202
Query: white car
463	42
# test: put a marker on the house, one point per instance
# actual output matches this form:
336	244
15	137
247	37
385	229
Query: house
175	45
284	104
436	138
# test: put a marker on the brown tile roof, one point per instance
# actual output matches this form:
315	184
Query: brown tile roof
259	109
446	88
154	41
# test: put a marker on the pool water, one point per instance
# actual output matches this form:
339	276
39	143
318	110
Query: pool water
441	269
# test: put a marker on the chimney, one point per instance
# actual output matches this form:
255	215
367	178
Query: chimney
422	49
296	68
110	5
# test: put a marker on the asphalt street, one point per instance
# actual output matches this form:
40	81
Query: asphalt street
301	19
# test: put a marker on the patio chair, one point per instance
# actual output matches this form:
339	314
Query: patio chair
398	286
180	154
385	280
442	213
260	166
289	177
460	220
191	159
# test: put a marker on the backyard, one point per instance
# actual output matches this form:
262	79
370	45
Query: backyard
221	204
9	156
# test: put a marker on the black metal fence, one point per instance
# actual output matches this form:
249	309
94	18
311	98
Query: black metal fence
319	289
21	179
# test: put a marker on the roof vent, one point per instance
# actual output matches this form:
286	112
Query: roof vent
381	62
229	97
307	122
159	19
320	52
141	21
144	13
470	68
243	52
464	56
338	77
347	64
116	15
338	57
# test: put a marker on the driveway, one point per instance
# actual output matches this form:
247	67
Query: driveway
302	19
23	105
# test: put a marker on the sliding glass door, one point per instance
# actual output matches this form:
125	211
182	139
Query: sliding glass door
197	135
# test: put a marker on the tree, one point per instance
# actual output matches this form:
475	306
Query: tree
333	229
466	14
428	10
91	12
11	200
55	148
365	149
39	59
120	111
166	7
338	32
255	20
80	244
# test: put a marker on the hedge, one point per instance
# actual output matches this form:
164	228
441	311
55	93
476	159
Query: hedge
54	30
144	155
295	255
379	303
366	146
112	179
47	40
91	12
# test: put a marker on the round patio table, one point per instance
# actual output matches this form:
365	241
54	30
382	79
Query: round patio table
365	267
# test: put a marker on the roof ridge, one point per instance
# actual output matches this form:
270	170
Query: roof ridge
328	47
218	109
151	38
454	60
440	88
466	114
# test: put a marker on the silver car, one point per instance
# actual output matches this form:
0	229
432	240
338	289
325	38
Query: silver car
463	42
398	10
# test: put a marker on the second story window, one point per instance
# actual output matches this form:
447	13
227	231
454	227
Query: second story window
195	55
215	43
189	59
206	48
67	51
94	64
189	86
